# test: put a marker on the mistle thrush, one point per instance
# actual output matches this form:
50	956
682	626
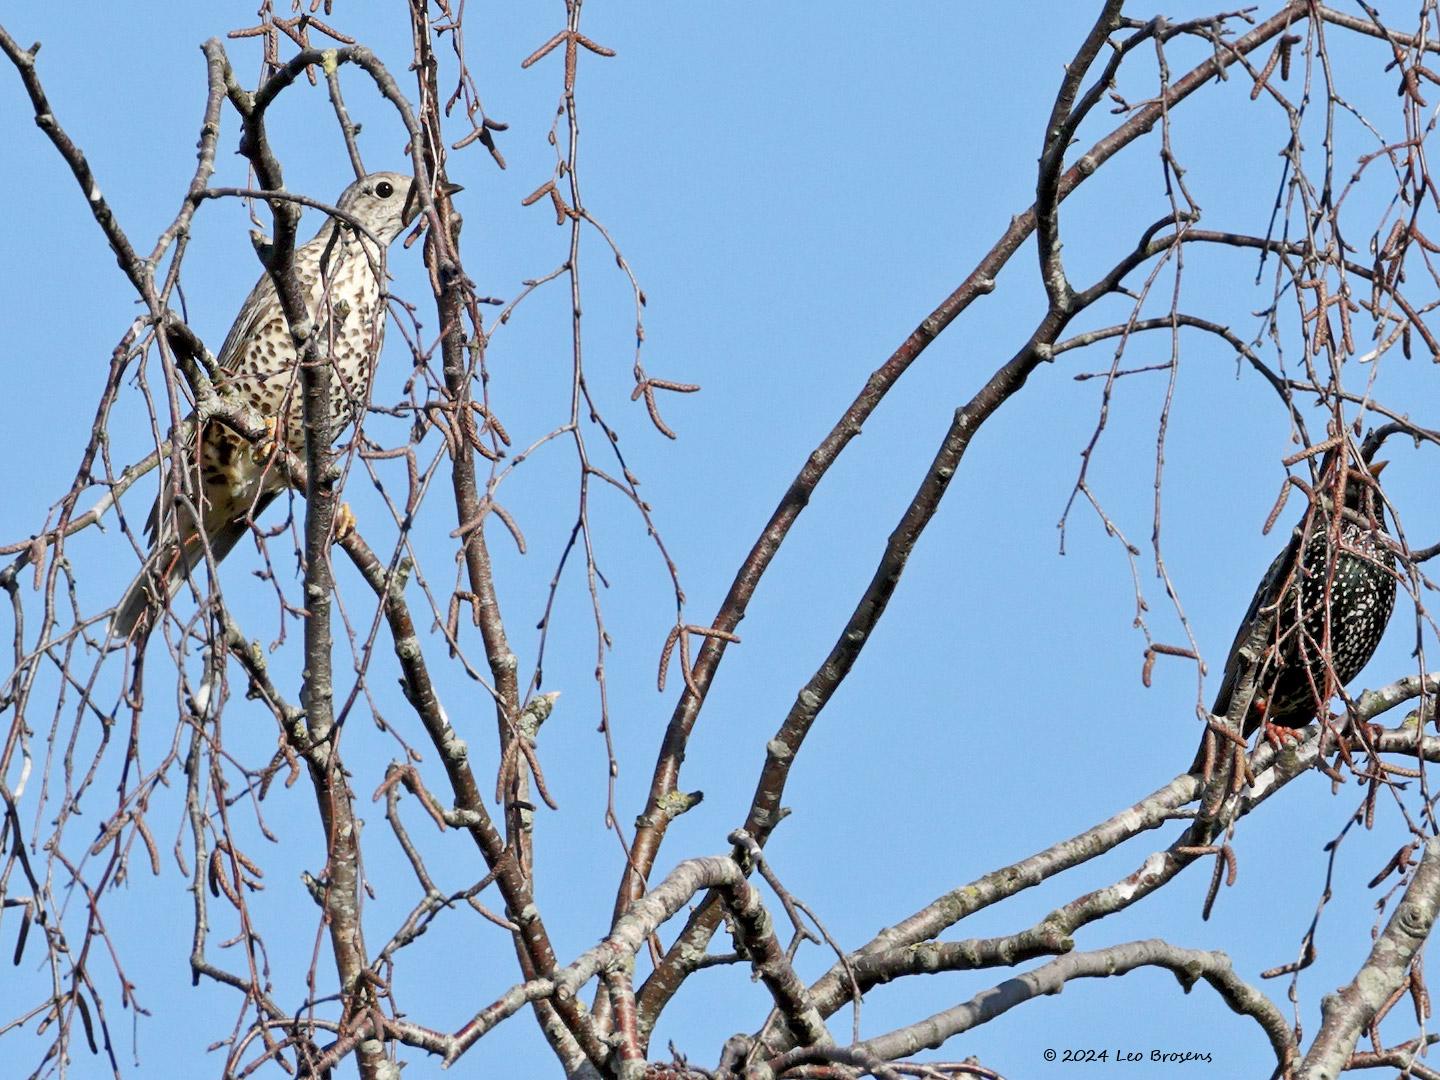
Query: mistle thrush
339	272
1301	663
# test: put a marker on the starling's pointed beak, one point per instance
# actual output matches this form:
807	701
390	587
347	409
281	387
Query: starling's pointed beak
1377	467
450	189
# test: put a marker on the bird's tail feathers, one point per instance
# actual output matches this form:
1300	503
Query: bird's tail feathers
160	578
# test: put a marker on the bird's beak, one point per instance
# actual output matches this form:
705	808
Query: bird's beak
411	209
1377	467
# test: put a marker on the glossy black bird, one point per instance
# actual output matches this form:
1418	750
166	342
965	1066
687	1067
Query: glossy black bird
1357	587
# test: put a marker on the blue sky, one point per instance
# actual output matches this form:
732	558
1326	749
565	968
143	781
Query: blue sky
795	192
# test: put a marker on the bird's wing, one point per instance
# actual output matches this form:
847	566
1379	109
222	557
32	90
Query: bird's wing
1269	590
260	303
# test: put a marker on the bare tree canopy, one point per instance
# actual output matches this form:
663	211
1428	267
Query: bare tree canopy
491	645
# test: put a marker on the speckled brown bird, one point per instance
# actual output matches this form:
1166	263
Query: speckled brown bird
1359	597
339	271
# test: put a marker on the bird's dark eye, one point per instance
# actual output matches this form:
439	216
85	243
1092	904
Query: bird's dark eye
384	189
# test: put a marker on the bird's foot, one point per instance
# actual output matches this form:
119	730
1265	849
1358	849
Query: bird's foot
268	445
1278	735
344	522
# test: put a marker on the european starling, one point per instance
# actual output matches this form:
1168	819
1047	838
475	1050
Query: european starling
339	271
1294	681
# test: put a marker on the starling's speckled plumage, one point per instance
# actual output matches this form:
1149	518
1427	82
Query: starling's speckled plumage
339	272
1357	586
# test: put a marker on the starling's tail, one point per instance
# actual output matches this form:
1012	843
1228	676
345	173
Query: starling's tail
1198	765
